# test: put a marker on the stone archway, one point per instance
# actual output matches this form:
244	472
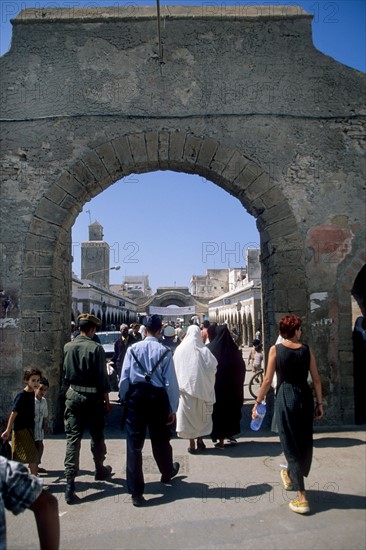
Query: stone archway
99	168
285	141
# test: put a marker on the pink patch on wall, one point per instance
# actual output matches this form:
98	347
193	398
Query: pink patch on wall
330	243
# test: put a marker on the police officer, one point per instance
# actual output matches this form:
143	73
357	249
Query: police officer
149	389
87	400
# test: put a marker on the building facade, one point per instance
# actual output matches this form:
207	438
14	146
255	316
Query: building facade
112	308
241	307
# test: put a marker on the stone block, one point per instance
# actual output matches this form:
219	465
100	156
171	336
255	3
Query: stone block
255	206
39	244
97	168
270	196
138	148
152	147
207	152
38	286
108	156
163	151
176	149
72	206
221	159
191	148
33	305
51	212
43	227
259	187
56	194
81	173
235	166
250	174
122	147
281	213
73	186
38	258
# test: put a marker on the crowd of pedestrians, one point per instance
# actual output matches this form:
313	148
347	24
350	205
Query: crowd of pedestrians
171	378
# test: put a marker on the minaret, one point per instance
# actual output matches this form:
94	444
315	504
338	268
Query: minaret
95	256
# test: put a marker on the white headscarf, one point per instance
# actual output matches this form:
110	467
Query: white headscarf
195	366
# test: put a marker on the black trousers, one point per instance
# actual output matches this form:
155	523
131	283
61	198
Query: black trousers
294	413
147	407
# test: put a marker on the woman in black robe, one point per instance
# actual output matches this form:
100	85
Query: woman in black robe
229	383
292	361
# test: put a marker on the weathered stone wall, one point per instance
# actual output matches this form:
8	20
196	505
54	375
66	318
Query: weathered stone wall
244	100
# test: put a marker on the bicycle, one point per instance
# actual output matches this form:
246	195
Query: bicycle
255	383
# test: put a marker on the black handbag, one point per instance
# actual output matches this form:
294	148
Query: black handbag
5	449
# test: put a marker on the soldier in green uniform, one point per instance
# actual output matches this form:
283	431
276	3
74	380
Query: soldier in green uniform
87	401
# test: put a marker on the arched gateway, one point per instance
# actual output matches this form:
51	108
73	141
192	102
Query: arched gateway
243	99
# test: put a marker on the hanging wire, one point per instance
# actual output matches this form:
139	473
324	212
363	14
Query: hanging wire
161	61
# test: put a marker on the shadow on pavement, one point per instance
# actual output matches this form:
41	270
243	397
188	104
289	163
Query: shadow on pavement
337	442
243	449
178	490
333	500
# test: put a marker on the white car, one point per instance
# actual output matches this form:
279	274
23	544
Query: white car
108	339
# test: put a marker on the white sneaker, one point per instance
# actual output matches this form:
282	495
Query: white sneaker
301	507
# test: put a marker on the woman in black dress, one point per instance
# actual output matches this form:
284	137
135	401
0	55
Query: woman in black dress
229	383
292	361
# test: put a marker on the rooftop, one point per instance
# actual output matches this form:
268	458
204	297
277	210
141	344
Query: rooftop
120	13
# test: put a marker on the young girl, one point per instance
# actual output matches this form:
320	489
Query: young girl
22	416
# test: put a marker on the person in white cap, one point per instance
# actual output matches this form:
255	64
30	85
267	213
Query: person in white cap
169	339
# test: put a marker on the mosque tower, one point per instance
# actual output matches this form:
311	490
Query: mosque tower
95	256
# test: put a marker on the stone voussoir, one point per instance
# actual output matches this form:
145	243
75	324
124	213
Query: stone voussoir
138	148
109	159
192	148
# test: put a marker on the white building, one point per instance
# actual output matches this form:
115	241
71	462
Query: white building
241	307
112	308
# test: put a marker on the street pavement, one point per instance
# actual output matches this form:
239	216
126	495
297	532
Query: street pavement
221	499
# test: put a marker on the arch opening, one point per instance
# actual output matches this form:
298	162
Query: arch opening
97	170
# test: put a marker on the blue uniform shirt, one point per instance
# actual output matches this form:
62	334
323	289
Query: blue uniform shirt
148	352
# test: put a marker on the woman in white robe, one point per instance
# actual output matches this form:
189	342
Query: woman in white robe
195	367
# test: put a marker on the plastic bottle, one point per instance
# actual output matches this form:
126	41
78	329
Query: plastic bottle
256	423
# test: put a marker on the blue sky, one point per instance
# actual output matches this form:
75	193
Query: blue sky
178	224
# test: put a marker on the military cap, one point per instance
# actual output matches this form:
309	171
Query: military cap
89	318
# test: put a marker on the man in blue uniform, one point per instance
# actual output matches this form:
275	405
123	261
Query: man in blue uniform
149	389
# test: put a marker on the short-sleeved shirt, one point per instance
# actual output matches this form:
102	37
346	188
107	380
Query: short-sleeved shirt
85	364
23	405
40	413
18	491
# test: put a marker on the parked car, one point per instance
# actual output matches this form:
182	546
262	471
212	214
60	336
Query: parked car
108	339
